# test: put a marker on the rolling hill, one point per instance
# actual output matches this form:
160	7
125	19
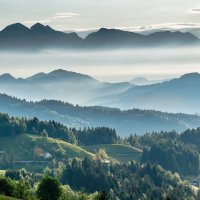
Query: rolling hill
124	121
29	148
35	153
121	153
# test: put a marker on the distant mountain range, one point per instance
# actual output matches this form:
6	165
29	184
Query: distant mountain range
18	36
60	85
114	38
144	81
125	122
176	95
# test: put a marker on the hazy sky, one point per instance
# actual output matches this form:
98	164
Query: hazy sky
88	14
112	66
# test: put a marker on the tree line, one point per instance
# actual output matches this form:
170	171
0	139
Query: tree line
175	152
11	126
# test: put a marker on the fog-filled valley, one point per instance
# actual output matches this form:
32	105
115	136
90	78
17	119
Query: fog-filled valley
105	65
160	79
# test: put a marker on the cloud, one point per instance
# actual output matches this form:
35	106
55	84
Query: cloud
193	28
57	17
164	27
194	10
64	15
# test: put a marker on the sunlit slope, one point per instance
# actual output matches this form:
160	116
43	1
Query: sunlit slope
32	148
121	153
6	198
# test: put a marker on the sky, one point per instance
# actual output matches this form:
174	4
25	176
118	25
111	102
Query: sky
91	14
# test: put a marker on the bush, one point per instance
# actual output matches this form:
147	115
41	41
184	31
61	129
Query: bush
7	186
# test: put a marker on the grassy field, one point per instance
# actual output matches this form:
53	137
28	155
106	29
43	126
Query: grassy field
6	198
122	153
30	148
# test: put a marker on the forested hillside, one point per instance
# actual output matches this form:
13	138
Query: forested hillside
125	168
124	122
130	181
175	152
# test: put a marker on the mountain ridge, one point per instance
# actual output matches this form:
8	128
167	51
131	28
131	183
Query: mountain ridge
40	36
18	36
60	75
125	122
175	95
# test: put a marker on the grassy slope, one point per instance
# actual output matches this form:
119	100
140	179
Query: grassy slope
122	153
6	198
23	147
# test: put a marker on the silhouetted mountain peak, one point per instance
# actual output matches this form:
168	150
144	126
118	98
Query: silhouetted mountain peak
114	37
41	27
104	30
36	76
113	31
64	74
191	76
6	77
186	80
59	75
59	72
172	34
18	27
55	36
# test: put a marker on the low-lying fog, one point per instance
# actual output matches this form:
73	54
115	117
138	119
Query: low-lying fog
113	66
